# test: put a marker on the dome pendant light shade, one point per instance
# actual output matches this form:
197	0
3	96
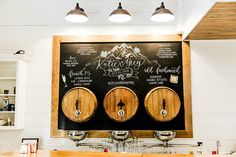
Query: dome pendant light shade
76	15
162	14
120	15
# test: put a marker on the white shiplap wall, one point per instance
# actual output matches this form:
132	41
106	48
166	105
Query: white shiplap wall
213	85
213	92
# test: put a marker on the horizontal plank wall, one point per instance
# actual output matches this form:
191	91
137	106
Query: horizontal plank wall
213	88
218	23
55	132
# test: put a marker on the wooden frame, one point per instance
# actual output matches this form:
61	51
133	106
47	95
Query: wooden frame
55	132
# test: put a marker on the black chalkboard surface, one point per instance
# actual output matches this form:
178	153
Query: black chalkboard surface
140	66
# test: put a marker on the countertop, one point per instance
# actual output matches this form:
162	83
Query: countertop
48	153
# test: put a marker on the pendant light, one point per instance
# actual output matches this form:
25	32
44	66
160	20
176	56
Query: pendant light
76	15
120	15
162	14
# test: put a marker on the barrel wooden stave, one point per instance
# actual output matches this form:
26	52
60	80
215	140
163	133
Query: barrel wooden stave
87	103
114	96
154	103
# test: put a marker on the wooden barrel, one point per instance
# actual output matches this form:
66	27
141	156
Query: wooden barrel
79	104
162	104
120	104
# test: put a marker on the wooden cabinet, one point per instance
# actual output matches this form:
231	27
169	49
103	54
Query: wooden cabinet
12	91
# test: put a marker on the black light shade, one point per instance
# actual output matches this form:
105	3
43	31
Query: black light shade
19	52
162	14
77	15
120	15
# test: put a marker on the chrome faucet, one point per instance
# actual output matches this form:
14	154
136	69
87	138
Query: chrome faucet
218	147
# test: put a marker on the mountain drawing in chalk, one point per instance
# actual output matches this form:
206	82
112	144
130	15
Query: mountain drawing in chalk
123	51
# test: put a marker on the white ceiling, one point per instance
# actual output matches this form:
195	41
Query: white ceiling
52	12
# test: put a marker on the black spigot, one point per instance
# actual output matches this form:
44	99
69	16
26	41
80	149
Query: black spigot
121	104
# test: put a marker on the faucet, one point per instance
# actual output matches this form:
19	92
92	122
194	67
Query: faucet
218	147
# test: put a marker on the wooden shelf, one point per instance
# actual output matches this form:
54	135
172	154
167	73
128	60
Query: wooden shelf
7	78
7	112
9	128
13	74
10	95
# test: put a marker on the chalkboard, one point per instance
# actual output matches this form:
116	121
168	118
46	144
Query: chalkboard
139	66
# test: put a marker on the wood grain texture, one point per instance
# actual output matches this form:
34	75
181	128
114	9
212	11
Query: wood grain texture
154	103
218	23
55	132
188	132
168	155
50	153
118	38
86	101
55	90
116	96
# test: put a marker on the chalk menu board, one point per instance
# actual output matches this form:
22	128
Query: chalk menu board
140	66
